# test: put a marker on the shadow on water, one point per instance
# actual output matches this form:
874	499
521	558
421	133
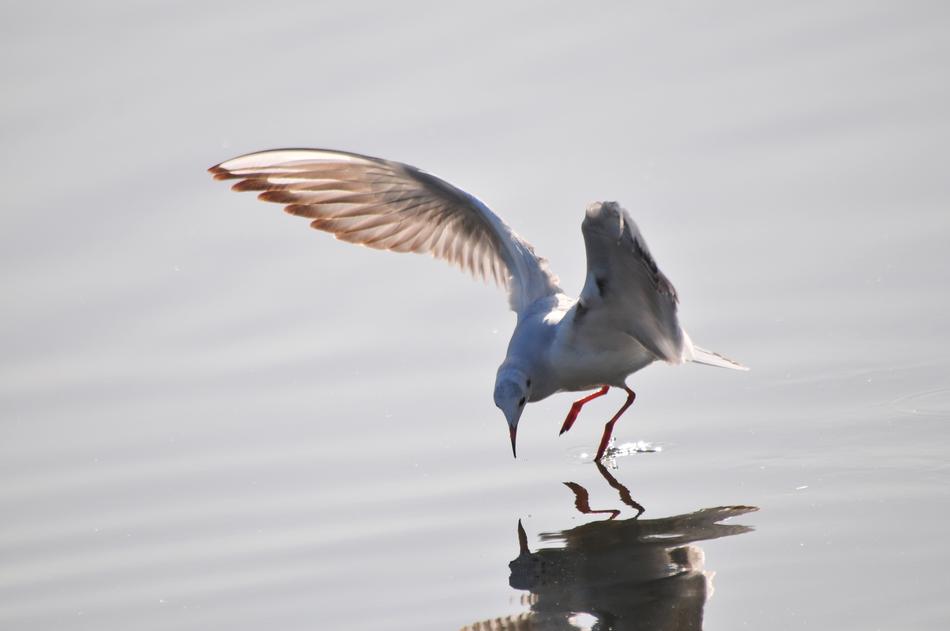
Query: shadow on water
642	574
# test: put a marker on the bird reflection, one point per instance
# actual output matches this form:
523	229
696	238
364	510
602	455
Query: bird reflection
641	574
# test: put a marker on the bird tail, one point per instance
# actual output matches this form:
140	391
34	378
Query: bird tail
702	356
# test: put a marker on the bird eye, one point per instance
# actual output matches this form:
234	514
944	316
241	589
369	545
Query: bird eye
529	383
521	402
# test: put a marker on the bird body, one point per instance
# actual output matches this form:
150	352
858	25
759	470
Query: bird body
624	319
562	357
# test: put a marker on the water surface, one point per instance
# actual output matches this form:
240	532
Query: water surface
213	417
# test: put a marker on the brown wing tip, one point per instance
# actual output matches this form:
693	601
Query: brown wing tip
250	185
301	210
222	174
281	197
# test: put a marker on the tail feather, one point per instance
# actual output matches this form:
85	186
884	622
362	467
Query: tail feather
702	356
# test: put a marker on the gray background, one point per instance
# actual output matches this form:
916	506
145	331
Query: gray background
213	417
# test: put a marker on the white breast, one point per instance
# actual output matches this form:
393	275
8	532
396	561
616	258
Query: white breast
590	360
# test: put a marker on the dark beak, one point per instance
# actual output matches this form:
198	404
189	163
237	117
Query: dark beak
513	430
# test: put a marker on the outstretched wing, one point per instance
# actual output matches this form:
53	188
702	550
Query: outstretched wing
392	206
624	289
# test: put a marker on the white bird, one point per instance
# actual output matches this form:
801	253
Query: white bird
624	319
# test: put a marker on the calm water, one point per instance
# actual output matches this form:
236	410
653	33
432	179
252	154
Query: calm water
213	417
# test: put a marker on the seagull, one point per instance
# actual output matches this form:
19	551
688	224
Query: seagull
624	319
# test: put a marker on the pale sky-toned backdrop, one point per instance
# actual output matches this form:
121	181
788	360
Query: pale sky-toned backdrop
214	417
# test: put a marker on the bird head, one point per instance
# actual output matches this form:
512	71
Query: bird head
511	395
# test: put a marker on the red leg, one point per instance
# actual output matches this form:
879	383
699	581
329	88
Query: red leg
576	408
609	428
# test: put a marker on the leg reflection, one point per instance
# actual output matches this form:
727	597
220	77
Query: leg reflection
582	497
582	502
624	492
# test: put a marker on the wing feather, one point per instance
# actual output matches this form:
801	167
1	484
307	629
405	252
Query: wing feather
392	206
624	286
